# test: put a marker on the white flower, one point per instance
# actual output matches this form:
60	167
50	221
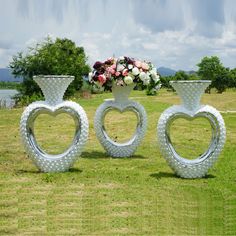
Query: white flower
158	87
155	77
130	66
145	78
142	76
135	71
121	58
153	70
120	67
146	81
128	80
90	76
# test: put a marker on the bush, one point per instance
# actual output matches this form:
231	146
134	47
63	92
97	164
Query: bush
59	57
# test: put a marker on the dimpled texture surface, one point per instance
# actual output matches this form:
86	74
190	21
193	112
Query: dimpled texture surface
184	168
190	91
54	163
116	149
53	87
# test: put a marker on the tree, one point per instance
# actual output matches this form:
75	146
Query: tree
232	76
210	68
221	80
181	75
59	57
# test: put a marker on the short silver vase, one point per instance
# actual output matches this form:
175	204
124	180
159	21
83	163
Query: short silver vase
190	93
53	88
120	103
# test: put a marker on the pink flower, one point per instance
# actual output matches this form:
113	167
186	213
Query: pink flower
125	72
145	66
117	73
113	66
101	79
111	70
120	82
138	64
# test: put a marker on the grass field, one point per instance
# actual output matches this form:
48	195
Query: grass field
130	196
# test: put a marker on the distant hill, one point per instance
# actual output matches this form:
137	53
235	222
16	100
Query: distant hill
164	71
6	75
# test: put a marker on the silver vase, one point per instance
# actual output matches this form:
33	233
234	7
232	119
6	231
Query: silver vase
53	88
190	93
121	103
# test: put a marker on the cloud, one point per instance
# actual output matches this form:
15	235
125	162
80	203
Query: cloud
209	17
160	15
174	34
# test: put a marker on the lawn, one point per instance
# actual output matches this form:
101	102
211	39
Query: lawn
109	196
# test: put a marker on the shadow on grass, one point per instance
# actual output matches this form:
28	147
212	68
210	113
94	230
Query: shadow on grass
40	172
104	155
160	175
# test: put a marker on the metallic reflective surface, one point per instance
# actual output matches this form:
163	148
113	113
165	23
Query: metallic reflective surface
53	87
113	148
44	161
190	93
214	139
198	167
138	126
42	110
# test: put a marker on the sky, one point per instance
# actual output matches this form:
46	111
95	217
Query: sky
170	33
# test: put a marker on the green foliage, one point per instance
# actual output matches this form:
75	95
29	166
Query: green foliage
179	75
211	68
9	85
59	57
165	81
27	99
232	78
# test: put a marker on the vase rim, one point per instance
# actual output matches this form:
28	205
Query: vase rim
189	81
53	76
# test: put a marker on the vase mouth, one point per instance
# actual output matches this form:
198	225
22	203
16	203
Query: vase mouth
190	81
53	76
53	86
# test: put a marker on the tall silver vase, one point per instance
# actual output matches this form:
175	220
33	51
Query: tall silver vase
190	93
120	103
53	88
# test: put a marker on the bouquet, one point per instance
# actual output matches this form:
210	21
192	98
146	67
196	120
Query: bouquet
125	71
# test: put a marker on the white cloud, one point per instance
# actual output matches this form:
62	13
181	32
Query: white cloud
170	33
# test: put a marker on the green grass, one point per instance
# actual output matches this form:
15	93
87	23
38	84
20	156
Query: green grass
106	196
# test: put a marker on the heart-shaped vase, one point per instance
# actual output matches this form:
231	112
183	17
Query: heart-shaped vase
121	103
190	93
53	88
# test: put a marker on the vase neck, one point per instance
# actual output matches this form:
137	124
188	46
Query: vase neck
121	93
190	92
53	87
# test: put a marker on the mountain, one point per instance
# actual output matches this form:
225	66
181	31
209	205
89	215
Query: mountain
164	71
6	75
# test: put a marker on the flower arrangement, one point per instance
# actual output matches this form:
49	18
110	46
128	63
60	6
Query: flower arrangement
125	71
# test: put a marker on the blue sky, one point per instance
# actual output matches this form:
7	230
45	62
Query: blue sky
170	33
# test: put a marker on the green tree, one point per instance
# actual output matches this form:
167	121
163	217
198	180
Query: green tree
222	80
232	76
181	75
50	57
210	68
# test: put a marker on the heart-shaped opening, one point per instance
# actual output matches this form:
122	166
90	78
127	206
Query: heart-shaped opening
191	138
120	127
54	134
